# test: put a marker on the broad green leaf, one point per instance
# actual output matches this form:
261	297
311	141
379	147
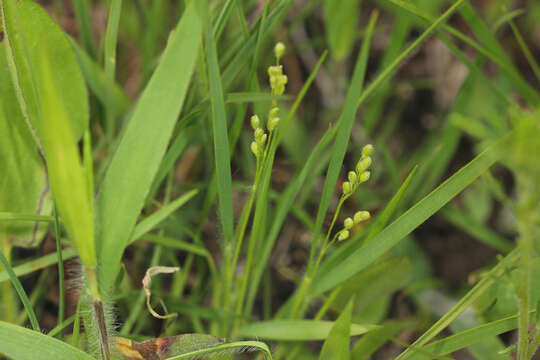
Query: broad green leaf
297	330
24	188
24	344
136	161
65	170
336	345
31	38
341	19
409	221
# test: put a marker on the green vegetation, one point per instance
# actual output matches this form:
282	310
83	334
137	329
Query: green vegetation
297	179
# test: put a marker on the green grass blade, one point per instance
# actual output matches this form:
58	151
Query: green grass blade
177	244
297	330
336	345
467	300
136	161
38	264
469	337
221	138
81	8
22	295
9	216
20	343
146	225
111	38
409	221
106	90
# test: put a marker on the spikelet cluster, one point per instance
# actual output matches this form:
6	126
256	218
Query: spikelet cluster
360	175
277	83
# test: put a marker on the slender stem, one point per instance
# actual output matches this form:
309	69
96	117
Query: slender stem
102	330
61	301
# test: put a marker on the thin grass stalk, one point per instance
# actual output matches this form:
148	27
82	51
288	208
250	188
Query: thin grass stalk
61	292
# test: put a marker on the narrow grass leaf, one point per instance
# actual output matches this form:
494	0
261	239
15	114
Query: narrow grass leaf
111	95
22	295
298	330
40	263
24	344
468	337
146	225
336	345
136	161
221	138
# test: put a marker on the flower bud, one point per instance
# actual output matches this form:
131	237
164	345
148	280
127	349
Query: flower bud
364	176
361	216
348	223
274	112
273	122
347	188
367	150
255	148
363	164
353	177
255	122
274	71
279	50
258	134
262	139
343	234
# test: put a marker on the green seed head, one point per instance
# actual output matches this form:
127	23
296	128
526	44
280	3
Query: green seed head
348	223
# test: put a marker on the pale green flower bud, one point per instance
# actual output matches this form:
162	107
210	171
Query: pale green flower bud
274	112
347	188
273	122
361	216
364	176
343	235
255	122
363	164
348	223
274	71
262	140
255	148
367	150
258	133
279	50
353	177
